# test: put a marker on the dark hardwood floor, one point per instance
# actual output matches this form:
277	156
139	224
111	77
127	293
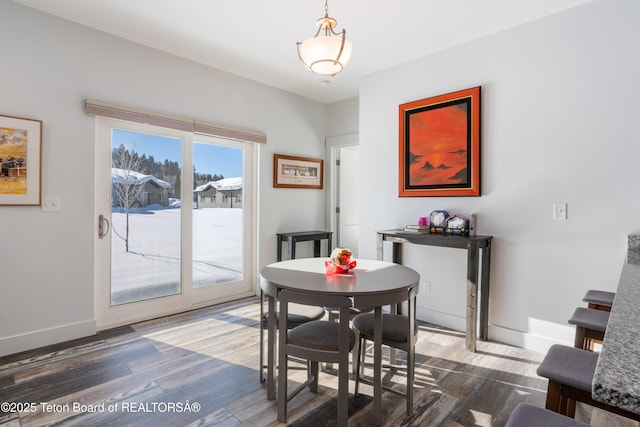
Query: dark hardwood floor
201	369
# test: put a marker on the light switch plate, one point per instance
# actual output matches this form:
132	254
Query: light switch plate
560	211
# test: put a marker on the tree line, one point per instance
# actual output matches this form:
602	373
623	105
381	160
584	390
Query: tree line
166	170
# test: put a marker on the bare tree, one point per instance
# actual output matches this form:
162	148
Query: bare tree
128	190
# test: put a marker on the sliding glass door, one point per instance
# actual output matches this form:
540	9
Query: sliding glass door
146	217
218	215
176	219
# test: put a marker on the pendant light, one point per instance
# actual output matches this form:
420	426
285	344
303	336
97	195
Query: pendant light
327	52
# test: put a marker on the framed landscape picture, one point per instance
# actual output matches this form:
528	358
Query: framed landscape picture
439	145
297	172
20	161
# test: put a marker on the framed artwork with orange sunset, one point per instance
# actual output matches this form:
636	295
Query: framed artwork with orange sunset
439	145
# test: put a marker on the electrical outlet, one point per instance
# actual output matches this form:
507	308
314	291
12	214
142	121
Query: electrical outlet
51	204
426	287
559	211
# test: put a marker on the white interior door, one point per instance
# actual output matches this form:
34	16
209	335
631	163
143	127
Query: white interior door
344	191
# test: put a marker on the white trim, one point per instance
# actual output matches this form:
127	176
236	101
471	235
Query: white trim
109	316
172	311
530	340
332	143
44	337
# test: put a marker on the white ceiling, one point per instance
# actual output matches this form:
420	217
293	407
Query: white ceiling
257	39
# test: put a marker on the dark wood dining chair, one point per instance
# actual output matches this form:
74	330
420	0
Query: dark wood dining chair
398	331
316	341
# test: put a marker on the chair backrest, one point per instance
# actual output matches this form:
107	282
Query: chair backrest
316	341
407	310
411	304
343	303
321	300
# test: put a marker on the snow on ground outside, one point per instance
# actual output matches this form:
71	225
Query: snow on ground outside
152	265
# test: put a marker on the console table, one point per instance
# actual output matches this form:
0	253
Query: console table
474	245
304	236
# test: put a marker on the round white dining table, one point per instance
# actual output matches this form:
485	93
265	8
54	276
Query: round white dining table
371	283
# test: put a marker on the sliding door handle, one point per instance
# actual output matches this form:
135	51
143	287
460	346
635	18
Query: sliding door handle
103	226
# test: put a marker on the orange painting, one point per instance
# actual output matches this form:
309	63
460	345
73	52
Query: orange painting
439	145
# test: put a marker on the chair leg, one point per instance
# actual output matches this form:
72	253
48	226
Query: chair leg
314	371
343	390
564	404
411	358
262	378
359	362
282	387
553	397
571	408
591	338
580	338
355	352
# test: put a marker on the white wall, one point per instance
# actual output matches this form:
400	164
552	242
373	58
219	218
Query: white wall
559	124
343	117
559	108
49	67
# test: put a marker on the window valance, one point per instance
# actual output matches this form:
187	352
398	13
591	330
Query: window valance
114	111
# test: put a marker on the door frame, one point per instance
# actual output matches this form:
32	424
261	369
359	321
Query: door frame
188	298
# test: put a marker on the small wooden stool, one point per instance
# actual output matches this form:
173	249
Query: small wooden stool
527	415
570	373
590	326
599	300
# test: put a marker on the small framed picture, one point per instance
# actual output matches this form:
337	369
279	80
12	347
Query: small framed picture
20	161
297	172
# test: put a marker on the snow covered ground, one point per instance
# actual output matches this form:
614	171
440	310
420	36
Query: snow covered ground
151	268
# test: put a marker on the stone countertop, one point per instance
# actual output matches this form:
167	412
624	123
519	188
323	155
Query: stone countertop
617	377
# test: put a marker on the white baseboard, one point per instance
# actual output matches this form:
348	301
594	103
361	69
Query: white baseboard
539	339
441	318
531	341
43	337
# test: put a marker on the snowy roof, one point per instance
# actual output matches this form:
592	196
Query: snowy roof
123	176
222	184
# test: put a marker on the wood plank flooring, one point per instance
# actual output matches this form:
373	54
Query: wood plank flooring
201	369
